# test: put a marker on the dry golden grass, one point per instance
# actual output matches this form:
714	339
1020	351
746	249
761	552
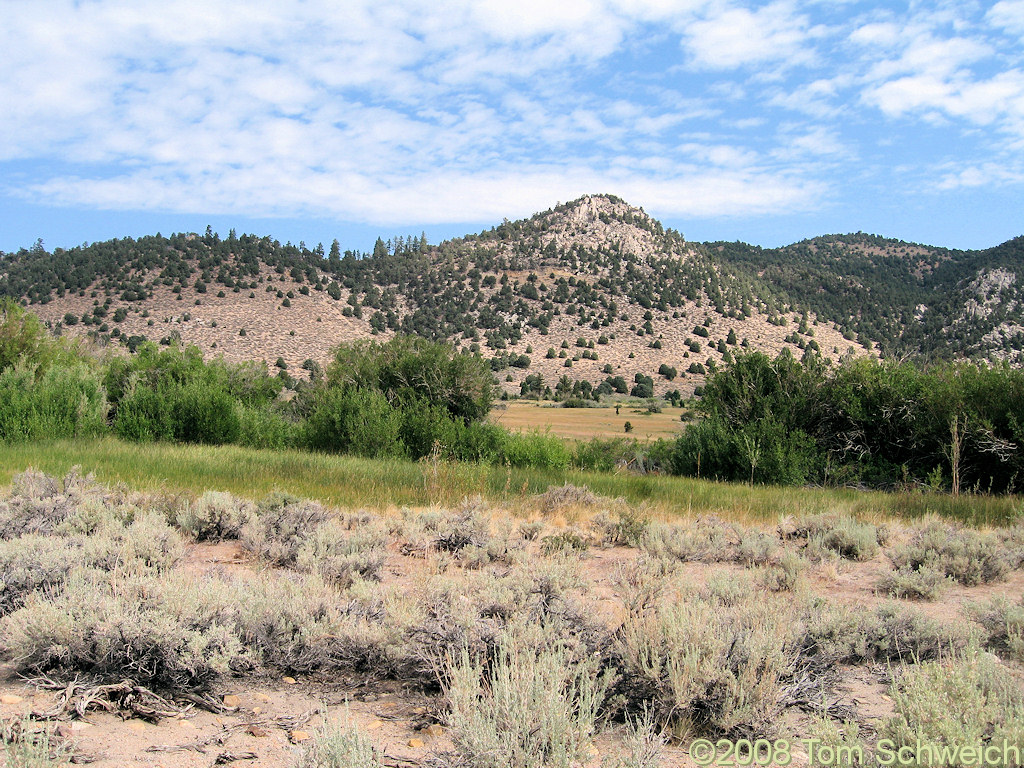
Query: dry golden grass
587	423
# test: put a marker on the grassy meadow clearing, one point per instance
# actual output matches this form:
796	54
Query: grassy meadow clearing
353	482
587	423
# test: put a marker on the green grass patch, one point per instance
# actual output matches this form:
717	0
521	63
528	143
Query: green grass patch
379	483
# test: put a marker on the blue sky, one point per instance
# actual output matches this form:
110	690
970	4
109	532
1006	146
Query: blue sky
726	119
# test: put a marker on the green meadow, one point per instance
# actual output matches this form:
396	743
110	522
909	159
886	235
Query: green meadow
347	481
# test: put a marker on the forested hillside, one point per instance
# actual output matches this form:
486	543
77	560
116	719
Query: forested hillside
910	299
590	295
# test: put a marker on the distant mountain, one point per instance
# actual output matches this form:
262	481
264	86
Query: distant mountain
910	299
588	291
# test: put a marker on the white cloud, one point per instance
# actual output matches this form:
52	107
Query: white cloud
734	36
449	197
482	108
1008	15
988	175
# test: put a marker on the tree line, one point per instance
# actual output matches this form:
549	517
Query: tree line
404	398
952	426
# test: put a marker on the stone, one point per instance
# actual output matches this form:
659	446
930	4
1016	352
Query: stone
416	743
232	701
434	730
297	737
255	730
288	680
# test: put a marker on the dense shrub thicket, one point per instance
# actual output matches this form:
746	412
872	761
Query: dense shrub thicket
405	398
954	426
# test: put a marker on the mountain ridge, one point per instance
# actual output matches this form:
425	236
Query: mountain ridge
586	291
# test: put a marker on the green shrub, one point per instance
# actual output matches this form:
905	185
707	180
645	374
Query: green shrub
1004	622
965	555
479	441
424	425
922	584
603	455
358	421
965	701
261	427
706	666
530	707
407	368
339	746
62	402
535	450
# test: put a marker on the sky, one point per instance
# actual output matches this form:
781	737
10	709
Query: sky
767	122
